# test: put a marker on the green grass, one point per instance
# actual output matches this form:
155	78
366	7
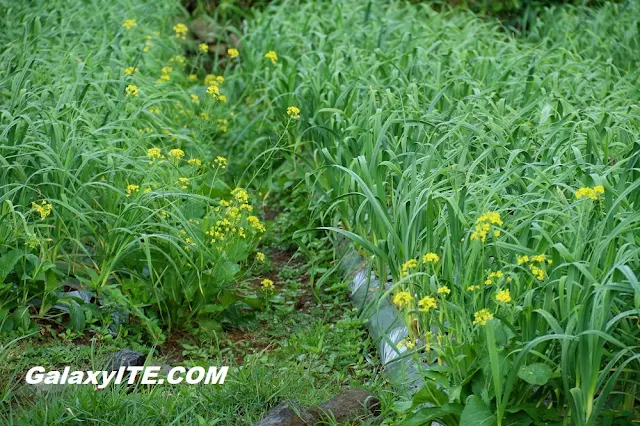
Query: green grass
416	123
420	132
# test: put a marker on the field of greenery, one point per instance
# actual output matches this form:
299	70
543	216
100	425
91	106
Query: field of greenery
154	156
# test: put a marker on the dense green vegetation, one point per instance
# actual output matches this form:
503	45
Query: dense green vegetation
495	176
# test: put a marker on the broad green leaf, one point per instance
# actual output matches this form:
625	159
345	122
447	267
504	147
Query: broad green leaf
477	413
535	374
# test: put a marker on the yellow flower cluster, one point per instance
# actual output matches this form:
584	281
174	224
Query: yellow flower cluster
293	112
444	290
183	182
181	31
406	343
154	154
483	224
427	303
473	287
240	195
214	91
130	70
254	222
406	266
177	60
430	258
176	153
592	193
539	258
504	296
129	23
260	257
482	316
131	90
222	125
267	284
132	188
402	298
203	47
493	275
233	53
271	55
220	162
195	162
213	80
537	272
43	208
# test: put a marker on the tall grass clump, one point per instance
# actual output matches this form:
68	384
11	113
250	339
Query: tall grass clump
494	177
113	201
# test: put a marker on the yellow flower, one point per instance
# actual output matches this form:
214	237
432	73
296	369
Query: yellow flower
240	195
129	23
222	98
406	343
192	77
176	153
406	266
482	316
503	296
183	182
267	284
195	99
592	193
177	59
430	257
473	287
154	153
539	258
233	53
220	162
488	282
272	56
537	272
164	78
293	112
444	289
147	46
130	70
491	217
132	188
483	224
131	90
260	257
254	222
43	208
427	303
496	274
222	125
195	162
210	80
203	47
167	70
204	115
214	91
181	31
522	259
402	298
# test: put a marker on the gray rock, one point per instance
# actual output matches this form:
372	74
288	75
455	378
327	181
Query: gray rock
351	405
126	358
